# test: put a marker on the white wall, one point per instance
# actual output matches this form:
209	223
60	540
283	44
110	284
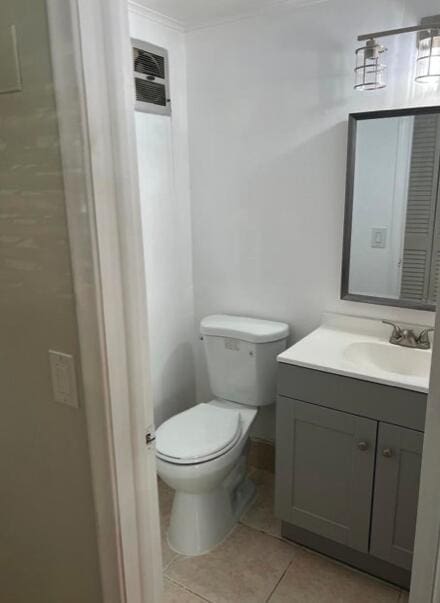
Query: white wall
268	101
164	184
380	194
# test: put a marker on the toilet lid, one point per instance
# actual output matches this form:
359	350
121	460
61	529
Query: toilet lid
198	434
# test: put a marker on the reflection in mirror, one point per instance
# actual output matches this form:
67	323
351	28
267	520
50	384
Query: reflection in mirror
392	230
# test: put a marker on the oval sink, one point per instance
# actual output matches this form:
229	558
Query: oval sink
390	358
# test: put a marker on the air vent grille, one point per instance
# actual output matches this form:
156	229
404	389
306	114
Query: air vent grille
150	92
151	78
149	63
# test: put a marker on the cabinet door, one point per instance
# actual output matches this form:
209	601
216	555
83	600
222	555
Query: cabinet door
325	466
399	458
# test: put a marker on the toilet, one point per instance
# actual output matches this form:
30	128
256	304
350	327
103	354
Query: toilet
202	452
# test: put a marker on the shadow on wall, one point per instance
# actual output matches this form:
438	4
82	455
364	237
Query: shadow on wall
176	384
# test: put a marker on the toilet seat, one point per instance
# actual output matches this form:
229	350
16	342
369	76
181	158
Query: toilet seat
200	434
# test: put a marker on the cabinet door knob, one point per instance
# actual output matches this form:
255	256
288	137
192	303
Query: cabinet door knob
363	446
387	453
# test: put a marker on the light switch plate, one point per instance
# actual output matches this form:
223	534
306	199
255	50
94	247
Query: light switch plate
62	368
379	238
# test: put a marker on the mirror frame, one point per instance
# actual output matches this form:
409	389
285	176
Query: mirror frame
353	118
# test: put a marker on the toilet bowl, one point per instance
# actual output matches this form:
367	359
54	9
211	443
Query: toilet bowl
202	452
211	490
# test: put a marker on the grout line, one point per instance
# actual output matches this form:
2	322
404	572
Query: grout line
188	590
165	567
272	592
261	531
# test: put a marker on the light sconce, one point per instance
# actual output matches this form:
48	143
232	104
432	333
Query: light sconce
370	71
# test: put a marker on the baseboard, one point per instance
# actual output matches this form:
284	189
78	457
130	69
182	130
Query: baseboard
362	561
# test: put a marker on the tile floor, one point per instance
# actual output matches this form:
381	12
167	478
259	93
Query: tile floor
254	565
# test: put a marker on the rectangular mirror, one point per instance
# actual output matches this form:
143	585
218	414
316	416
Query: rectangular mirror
392	224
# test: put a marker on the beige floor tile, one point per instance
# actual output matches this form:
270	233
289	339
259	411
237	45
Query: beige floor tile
260	515
173	593
315	579
244	569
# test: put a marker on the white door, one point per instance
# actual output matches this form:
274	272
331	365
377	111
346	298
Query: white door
91	46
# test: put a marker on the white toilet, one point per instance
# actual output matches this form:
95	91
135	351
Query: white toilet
201	452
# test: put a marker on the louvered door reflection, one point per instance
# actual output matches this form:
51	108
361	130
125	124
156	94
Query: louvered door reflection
435	278
421	250
434	285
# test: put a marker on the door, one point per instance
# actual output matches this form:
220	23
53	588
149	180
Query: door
399	458
325	467
78	483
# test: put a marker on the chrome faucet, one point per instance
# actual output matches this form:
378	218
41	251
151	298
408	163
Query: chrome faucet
408	339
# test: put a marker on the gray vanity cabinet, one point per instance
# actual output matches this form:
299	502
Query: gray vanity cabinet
399	459
325	474
348	458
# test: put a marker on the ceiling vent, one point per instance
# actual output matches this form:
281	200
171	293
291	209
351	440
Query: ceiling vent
151	78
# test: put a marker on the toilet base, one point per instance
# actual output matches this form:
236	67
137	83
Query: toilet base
200	522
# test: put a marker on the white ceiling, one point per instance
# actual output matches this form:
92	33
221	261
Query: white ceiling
196	13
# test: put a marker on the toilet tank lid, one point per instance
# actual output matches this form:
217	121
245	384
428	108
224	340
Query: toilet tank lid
253	330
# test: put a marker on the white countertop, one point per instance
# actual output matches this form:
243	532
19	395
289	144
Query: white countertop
339	344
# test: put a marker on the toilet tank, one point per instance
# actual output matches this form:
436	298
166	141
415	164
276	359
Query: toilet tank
241	357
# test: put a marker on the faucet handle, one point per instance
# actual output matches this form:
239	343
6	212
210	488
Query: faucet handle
423	340
397	331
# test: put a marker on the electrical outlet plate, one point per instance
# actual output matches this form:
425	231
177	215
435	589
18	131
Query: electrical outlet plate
62	368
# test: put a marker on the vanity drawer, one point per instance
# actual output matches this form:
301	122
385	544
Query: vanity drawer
363	398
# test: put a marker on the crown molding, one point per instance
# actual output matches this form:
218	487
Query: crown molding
136	8
275	5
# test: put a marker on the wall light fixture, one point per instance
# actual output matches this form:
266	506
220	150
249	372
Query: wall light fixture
370	70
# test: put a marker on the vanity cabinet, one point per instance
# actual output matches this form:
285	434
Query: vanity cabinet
348	468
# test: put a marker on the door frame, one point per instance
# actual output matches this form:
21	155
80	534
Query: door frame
90	40
425	584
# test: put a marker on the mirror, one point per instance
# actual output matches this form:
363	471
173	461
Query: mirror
392	224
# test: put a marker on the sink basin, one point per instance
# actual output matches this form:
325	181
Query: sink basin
389	358
359	347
